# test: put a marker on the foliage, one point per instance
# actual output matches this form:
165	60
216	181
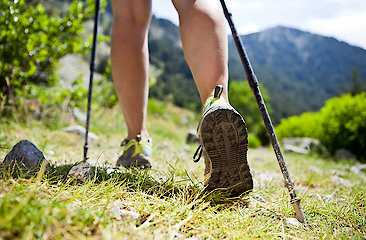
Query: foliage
243	100
48	104
305	125
339	124
254	141
32	41
343	124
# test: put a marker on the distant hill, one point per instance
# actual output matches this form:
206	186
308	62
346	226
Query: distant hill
299	69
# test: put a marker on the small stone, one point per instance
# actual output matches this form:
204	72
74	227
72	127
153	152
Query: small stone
121	212
112	171
179	236
357	169
82	172
329	197
337	173
341	181
344	154
192	137
50	152
268	176
293	222
78	114
290	148
304	145
26	156
80	130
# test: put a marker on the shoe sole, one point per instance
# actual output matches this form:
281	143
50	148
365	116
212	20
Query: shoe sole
224	137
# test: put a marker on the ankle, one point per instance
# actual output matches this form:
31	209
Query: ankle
143	133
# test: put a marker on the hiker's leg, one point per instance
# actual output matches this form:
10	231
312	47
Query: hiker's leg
204	38
130	61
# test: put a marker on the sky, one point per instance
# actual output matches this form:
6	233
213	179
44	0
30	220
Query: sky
343	19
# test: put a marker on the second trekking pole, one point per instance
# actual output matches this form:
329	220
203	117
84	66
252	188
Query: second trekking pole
92	68
253	82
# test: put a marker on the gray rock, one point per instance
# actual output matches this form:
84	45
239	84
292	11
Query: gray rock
357	169
329	197
344	154
72	67
341	181
291	148
293	222
80	130
337	173
268	176
119	211
82	172
78	114
192	137
26	156
303	145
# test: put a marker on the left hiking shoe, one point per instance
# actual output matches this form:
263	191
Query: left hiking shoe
136	153
224	144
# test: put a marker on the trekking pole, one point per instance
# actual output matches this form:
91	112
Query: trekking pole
92	68
253	82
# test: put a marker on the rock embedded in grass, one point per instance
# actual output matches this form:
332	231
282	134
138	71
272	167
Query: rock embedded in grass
192	137
119	211
82	172
293	222
25	156
341	181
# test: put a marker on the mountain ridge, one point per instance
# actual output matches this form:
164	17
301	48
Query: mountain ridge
300	69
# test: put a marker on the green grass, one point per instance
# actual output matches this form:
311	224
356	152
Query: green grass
170	198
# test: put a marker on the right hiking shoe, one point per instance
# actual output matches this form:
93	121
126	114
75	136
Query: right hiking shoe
136	153
224	144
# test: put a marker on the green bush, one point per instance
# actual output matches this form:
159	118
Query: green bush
341	123
32	41
253	141
305	125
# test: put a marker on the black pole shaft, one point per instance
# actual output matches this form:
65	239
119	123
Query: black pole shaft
253	82
92	68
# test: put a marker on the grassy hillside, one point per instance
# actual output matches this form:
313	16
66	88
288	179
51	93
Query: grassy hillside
167	202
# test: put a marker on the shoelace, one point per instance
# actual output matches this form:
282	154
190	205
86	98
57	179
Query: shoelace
125	141
199	153
217	94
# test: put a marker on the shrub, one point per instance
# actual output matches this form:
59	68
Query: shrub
32	41
339	124
343	123
305	125
253	141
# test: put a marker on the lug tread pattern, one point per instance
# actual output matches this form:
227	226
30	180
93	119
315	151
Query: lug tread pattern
225	141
